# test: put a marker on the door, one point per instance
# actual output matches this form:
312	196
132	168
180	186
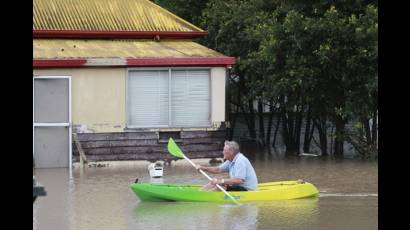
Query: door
52	121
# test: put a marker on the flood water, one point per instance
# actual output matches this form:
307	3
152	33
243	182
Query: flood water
100	198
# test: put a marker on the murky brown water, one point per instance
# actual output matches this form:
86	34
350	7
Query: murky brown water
100	198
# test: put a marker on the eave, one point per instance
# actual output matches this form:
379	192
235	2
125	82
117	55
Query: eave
114	34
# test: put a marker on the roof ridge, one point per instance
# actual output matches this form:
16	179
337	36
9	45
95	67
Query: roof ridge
108	18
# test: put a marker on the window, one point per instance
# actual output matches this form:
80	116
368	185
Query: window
168	98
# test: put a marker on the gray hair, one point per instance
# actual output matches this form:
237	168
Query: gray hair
233	145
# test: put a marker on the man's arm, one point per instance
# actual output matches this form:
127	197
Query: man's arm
209	169
233	181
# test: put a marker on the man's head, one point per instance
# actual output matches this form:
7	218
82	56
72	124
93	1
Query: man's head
231	148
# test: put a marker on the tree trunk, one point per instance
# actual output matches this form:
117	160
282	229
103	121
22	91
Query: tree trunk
288	122
233	123
312	131
339	136
321	128
270	121
261	138
246	116
367	132
251	124
307	139
374	128
298	129
278	117
331	138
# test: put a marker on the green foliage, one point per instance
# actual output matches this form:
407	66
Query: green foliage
330	60
230	25
317	54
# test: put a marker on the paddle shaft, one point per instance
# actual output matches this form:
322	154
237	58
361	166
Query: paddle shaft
209	178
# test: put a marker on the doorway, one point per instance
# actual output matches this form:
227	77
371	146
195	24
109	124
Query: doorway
52	147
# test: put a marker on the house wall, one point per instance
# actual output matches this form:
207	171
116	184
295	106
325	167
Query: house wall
218	76
98	97
148	145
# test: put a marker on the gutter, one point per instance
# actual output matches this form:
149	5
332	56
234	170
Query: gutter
134	62
114	34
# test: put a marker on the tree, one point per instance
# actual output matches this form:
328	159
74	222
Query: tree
324	64
314	61
228	23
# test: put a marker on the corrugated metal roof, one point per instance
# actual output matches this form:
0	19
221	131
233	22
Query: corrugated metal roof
120	48
106	15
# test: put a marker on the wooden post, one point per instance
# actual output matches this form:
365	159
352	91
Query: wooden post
83	158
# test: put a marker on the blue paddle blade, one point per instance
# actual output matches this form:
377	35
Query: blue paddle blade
174	149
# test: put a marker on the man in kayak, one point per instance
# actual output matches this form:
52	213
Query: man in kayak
241	173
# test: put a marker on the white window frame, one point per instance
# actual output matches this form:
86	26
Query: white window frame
169	69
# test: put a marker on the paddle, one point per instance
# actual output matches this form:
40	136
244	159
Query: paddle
177	152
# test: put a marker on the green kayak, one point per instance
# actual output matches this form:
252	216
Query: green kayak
281	190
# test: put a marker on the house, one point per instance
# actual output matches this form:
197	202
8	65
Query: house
119	77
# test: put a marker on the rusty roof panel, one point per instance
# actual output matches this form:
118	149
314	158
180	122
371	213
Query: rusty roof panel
106	15
119	48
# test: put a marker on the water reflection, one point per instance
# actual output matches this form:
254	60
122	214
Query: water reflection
54	211
196	215
295	213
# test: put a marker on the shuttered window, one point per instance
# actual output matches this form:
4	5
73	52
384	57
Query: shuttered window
148	98
168	98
